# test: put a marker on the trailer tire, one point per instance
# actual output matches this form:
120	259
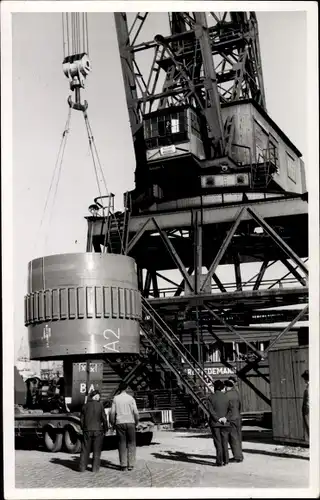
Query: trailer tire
72	441
52	439
146	438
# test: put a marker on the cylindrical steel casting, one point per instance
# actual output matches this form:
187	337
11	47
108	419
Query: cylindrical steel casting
79	304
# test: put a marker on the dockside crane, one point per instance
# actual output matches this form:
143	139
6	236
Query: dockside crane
216	182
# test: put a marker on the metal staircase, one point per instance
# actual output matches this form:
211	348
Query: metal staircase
175	355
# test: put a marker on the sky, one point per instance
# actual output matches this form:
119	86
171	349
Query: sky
40	92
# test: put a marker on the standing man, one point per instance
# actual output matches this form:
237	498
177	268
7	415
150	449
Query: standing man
219	407
305	405
125	416
94	424
235	433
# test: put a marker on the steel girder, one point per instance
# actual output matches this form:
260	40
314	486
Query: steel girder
250	301
285	207
207	59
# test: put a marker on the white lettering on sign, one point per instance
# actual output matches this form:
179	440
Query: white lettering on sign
83	388
112	346
93	367
214	371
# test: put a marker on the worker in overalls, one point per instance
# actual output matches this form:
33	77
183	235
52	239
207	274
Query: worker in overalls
94	424
305	405
235	432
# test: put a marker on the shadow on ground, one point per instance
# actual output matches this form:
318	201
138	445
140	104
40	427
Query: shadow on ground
179	456
197	459
33	443
73	464
251	436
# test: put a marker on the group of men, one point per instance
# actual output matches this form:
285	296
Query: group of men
224	406
124	416
225	424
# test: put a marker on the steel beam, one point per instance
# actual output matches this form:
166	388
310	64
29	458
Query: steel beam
145	226
197	249
232	330
218	283
212	109
237	269
174	255
283	277
147	284
181	286
287	329
127	66
223	248
281	244
167	279
294	272
263	269
242	372
155	284
212	214
249	298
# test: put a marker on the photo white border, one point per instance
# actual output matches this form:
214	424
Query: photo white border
7	8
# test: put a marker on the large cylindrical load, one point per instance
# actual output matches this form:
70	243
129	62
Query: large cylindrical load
82	304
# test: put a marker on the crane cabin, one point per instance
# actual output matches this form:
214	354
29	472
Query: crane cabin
173	133
259	157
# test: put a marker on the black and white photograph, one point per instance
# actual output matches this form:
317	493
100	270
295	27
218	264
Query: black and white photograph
160	228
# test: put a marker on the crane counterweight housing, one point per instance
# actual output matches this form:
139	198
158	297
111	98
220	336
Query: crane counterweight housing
82	304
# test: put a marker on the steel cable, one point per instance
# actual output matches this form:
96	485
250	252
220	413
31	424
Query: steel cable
61	149
65	136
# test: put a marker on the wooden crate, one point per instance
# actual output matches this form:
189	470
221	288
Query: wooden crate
287	387
255	401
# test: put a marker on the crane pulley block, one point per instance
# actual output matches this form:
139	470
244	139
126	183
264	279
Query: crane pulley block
76	67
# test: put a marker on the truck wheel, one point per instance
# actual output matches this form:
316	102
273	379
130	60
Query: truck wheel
72	441
53	440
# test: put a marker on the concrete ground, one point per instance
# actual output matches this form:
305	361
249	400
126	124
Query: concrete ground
174	459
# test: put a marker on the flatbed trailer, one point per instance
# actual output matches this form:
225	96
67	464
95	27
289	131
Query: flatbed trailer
62	431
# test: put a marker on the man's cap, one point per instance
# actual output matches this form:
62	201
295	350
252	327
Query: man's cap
229	383
233	379
218	385
94	393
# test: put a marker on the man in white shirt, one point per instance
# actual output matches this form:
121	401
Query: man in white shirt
125	416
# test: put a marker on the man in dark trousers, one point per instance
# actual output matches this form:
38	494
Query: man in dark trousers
305	405
235	434
219	407
125	416
94	424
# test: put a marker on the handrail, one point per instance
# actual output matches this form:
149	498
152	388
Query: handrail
183	352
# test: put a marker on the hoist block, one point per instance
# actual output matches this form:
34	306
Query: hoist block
76	67
82	304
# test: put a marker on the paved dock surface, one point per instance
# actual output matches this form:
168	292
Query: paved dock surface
174	459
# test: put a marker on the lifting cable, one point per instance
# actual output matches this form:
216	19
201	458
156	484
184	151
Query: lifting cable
76	66
58	166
